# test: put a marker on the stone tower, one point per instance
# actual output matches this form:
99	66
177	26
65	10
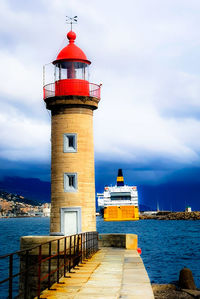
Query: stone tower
71	98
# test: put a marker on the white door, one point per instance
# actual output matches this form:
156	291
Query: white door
70	223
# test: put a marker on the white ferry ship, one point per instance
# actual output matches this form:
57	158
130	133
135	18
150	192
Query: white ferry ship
119	203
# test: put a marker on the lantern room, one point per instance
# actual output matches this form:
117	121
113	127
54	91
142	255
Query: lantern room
71	62
71	73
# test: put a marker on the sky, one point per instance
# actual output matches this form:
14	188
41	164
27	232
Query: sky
145	53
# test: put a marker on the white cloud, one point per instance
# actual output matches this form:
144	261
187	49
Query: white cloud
24	139
17	81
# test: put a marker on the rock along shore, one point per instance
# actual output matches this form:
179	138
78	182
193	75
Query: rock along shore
170	291
173	216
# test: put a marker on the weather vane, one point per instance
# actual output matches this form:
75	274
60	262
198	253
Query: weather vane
71	21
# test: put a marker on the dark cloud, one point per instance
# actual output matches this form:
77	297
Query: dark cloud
25	169
154	174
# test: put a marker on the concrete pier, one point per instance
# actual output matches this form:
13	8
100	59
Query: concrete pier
110	273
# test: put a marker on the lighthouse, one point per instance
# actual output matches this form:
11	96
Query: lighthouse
71	98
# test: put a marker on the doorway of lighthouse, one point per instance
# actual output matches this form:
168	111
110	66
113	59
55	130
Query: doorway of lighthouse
70	221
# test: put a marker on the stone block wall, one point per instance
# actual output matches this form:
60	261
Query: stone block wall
79	121
128	241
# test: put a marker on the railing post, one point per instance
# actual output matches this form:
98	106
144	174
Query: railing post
49	267
89	244
26	275
74	244
81	248
58	259
92	241
89	241
70	253
78	249
86	245
10	275
39	270
65	252
91	234
74	257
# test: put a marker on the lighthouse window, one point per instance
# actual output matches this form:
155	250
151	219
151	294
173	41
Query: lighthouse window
71	70
69	143
70	182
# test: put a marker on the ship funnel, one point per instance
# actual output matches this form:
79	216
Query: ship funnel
120	178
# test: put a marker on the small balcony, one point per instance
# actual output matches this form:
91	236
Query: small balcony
69	87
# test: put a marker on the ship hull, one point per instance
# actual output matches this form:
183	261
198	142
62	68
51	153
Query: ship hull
121	213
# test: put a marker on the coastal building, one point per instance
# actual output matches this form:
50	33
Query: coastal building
46	209
71	98
188	209
15	208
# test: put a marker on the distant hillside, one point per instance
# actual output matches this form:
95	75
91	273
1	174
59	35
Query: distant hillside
17	198
30	188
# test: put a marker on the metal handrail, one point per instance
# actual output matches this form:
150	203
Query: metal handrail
94	90
81	247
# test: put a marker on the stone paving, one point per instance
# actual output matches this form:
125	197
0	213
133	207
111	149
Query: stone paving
109	273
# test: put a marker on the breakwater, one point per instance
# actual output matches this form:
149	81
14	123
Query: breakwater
173	216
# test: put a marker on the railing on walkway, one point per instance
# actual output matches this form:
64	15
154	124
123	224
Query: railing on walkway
72	87
45	264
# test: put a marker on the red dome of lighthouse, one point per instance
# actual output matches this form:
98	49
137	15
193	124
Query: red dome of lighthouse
71	52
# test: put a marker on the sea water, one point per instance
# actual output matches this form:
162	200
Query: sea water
167	246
